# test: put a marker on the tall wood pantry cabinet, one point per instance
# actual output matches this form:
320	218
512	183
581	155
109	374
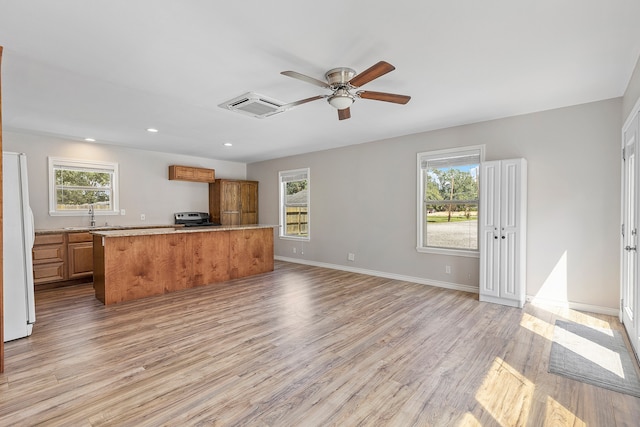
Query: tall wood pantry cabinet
503	227
233	202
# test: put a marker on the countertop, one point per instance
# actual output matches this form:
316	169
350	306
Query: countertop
176	230
102	228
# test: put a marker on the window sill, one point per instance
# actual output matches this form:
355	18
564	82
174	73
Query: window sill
83	213
305	239
450	252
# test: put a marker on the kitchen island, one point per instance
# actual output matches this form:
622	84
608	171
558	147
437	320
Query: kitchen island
133	264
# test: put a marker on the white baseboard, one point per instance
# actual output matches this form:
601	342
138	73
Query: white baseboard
448	285
578	306
419	280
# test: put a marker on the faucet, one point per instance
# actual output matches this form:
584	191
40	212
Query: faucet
93	218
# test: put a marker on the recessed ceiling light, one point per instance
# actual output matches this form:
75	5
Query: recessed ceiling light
228	144
90	140
152	130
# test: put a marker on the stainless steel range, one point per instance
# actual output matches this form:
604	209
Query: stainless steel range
194	219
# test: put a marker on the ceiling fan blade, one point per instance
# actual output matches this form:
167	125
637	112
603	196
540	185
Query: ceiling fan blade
344	114
302	101
382	96
307	79
373	72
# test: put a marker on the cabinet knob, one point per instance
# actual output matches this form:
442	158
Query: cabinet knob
495	237
503	237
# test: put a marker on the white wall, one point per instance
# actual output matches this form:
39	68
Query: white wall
632	93
144	185
363	200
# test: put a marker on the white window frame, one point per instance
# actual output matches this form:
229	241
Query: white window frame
282	175
88	165
453	152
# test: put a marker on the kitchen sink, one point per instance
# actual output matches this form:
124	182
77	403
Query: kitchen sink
102	227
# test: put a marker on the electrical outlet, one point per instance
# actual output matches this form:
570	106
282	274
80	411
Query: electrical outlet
123	212
295	250
351	257
142	217
447	269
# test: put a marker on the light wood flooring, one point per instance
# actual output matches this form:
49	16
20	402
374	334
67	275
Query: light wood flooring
301	346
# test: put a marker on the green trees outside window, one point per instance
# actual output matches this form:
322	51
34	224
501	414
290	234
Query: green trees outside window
79	190
76	185
448	199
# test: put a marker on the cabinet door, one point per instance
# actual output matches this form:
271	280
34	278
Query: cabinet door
204	175
230	203
80	259
490	229
249	202
510	214
182	172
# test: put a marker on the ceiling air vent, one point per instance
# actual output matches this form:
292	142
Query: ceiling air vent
253	104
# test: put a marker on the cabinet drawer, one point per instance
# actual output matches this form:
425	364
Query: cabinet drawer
48	239
51	272
80	237
48	253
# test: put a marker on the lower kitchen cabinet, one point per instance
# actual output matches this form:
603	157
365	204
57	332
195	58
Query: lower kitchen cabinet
49	258
80	255
62	257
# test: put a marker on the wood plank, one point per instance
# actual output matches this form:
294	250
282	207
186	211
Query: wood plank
301	345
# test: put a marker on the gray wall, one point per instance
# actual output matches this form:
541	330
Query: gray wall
363	200
144	185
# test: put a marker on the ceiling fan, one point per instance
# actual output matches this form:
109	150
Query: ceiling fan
342	82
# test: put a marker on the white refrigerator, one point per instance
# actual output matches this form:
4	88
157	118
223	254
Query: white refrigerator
18	237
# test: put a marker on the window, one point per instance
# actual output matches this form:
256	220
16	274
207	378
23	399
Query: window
294	204
77	185
448	201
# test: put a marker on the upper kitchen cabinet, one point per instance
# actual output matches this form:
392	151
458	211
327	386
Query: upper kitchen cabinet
233	202
189	173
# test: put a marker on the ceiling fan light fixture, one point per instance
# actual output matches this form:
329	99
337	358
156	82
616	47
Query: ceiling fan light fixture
341	99
341	81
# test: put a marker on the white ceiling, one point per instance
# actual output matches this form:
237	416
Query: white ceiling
110	69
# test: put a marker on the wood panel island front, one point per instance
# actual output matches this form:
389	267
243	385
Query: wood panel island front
133	264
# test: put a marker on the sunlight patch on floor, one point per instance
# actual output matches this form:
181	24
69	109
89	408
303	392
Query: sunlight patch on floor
558	415
506	394
587	319
468	420
537	326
